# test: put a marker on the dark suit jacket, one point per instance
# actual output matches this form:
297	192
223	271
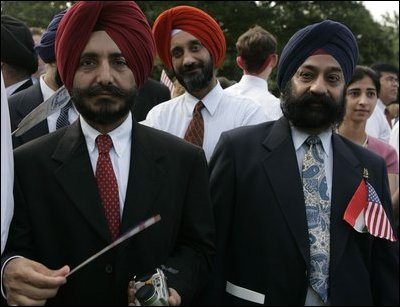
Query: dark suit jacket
20	105
23	86
151	94
59	219
262	234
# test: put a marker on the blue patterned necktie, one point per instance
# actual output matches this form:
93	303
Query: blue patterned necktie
318	208
62	119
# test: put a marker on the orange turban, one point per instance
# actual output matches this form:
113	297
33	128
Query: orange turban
123	21
194	21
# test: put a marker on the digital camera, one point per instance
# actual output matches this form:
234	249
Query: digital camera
152	290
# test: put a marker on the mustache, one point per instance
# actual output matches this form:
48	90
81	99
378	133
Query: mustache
310	98
190	67
113	90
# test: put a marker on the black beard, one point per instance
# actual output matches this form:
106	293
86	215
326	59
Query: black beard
106	115
310	111
198	81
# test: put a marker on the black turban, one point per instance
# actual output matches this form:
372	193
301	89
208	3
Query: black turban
45	48
331	36
17	44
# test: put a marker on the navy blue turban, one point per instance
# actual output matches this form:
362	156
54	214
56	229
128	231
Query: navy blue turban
45	49
331	36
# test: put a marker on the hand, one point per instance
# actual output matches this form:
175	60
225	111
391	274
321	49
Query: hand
30	283
173	300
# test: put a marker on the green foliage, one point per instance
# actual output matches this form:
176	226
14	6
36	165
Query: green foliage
377	42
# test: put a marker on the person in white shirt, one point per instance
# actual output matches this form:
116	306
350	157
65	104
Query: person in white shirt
257	57
378	125
191	42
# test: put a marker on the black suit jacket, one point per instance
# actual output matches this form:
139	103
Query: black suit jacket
262	234
23	86
59	219
20	105
151	94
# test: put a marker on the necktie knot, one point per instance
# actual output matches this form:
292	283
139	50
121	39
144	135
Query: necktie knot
313	140
104	143
199	106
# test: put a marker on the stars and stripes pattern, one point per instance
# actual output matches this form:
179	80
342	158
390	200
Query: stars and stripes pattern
167	81
375	216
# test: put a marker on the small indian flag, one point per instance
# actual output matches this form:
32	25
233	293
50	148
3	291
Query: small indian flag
354	214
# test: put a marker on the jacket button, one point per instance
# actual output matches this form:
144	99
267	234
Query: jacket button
109	268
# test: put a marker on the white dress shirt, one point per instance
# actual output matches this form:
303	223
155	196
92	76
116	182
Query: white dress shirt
120	153
223	111
377	125
47	92
256	88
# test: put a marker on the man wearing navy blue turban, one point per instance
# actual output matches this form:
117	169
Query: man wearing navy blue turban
22	103
280	190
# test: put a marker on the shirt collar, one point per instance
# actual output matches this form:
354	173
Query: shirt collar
210	101
254	81
299	137
121	136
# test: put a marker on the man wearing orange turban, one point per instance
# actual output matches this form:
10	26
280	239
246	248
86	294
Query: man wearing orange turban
80	188
192	44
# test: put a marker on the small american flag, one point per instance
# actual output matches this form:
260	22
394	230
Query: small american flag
376	219
167	81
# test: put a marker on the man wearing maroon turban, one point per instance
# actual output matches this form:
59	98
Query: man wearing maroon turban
80	188
192	44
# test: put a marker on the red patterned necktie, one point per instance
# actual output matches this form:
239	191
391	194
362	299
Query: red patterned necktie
195	131
107	184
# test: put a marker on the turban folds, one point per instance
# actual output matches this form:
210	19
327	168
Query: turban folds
45	48
197	23
331	36
17	44
123	21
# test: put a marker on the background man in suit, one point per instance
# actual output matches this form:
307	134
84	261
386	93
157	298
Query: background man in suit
18	58
150	94
22	103
275	243
105	51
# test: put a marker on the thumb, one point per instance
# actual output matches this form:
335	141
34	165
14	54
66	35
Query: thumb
63	272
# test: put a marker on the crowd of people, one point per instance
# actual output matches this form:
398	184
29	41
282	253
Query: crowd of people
264	200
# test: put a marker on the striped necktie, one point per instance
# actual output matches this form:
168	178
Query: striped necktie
62	119
195	131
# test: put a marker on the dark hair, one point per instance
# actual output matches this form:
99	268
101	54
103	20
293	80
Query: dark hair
385	67
363	71
254	46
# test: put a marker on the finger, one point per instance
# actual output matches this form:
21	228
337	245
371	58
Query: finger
174	298
131	293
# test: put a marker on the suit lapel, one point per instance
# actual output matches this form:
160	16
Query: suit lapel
76	177
281	167
145	179
345	167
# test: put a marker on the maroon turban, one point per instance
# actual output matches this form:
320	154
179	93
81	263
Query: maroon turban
194	21
123	21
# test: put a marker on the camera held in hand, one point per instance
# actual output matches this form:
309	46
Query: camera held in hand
152	290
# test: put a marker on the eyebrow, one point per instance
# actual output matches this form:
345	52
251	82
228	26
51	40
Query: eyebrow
95	55
315	68
191	42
